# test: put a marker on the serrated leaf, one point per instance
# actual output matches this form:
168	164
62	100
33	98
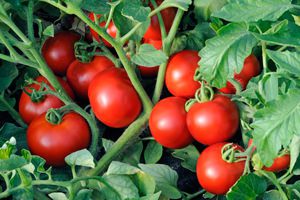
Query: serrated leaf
181	4
287	60
189	156
204	8
120	168
80	158
8	73
148	56
224	54
165	178
153	152
123	185
134	10
276	124
287	35
96	6
253	10
247	187
12	163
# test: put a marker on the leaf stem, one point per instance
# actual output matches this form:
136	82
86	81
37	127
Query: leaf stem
264	57
30	20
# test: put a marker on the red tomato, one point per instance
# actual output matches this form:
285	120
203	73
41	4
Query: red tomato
58	51
150	71
111	30
280	163
29	109
113	98
80	75
213	121
216	175
167	123
153	32
180	74
55	142
250	69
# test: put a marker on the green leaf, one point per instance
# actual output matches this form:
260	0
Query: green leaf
293	190
204	8
96	6
272	195
148	56
276	124
134	10
189	156
123	185
119	168
84	194
132	155
12	163
8	73
144	182
151	196
9	130
58	196
49	31
253	10
286	34
4	101
287	60
224	54
165	178
81	158
295	158
153	152
247	187
181	4
107	144
268	87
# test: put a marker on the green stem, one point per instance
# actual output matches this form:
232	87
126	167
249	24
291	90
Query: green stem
167	47
111	12
276	183
236	85
9	192
161	22
264	57
30	20
13	113
129	134
192	196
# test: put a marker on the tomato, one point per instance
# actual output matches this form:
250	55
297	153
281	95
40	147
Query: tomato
29	109
58	51
55	142
250	69
216	175
180	74
167	123
113	98
80	75
280	163
213	121
111	30
150	71
153	32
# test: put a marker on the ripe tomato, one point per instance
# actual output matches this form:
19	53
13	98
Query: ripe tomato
216	175
29	109
113	98
167	123
280	163
153	32
180	74
80	75
111	30
55	142
213	121
250	69
58	51
150	71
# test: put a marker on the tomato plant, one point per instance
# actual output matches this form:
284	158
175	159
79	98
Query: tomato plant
168	126
81	74
58	51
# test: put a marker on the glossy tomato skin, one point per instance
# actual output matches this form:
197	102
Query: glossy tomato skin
167	123
180	74
150	71
55	142
111	30
58	51
250	69
113	98
216	175
213	121
80	75
153	32
279	164
29	109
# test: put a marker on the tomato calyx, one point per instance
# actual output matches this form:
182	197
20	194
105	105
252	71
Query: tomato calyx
54	116
231	154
